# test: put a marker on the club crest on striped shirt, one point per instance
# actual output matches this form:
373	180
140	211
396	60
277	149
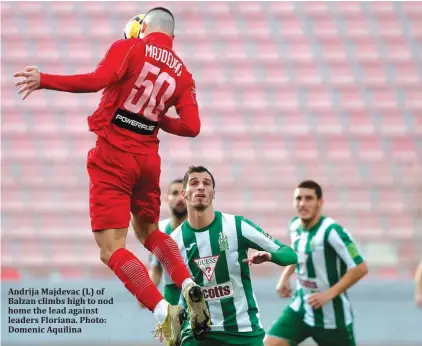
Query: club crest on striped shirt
223	242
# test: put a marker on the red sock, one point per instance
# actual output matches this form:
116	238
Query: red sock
134	275
167	252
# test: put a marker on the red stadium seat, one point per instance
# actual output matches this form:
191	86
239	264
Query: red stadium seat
370	149
304	148
379	174
357	27
292	122
359	123
281	9
404	149
367	228
337	148
348	175
327	123
352	99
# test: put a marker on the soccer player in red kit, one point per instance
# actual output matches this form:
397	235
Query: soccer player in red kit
142	78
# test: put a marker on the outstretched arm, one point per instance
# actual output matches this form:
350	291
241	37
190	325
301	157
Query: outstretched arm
269	249
108	71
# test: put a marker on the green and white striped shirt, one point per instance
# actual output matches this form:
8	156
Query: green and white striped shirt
214	257
325	252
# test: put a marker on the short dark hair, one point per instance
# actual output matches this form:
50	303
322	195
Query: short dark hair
310	184
174	181
159	8
196	169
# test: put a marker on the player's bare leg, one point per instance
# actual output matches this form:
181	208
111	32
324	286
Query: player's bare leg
134	275
167	252
109	241
273	341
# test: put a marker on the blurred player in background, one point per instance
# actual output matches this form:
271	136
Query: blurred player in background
418	288
215	247
328	264
142	78
178	213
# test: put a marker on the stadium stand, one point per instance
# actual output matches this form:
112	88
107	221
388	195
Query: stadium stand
288	91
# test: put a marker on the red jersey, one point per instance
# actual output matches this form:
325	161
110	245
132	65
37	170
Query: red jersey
142	79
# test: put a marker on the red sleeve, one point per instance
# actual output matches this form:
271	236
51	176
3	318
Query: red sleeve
188	124
108	71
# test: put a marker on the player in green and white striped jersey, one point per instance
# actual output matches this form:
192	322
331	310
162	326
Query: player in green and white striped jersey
328	264
214	246
178	212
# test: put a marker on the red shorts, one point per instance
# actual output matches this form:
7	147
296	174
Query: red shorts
120	183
